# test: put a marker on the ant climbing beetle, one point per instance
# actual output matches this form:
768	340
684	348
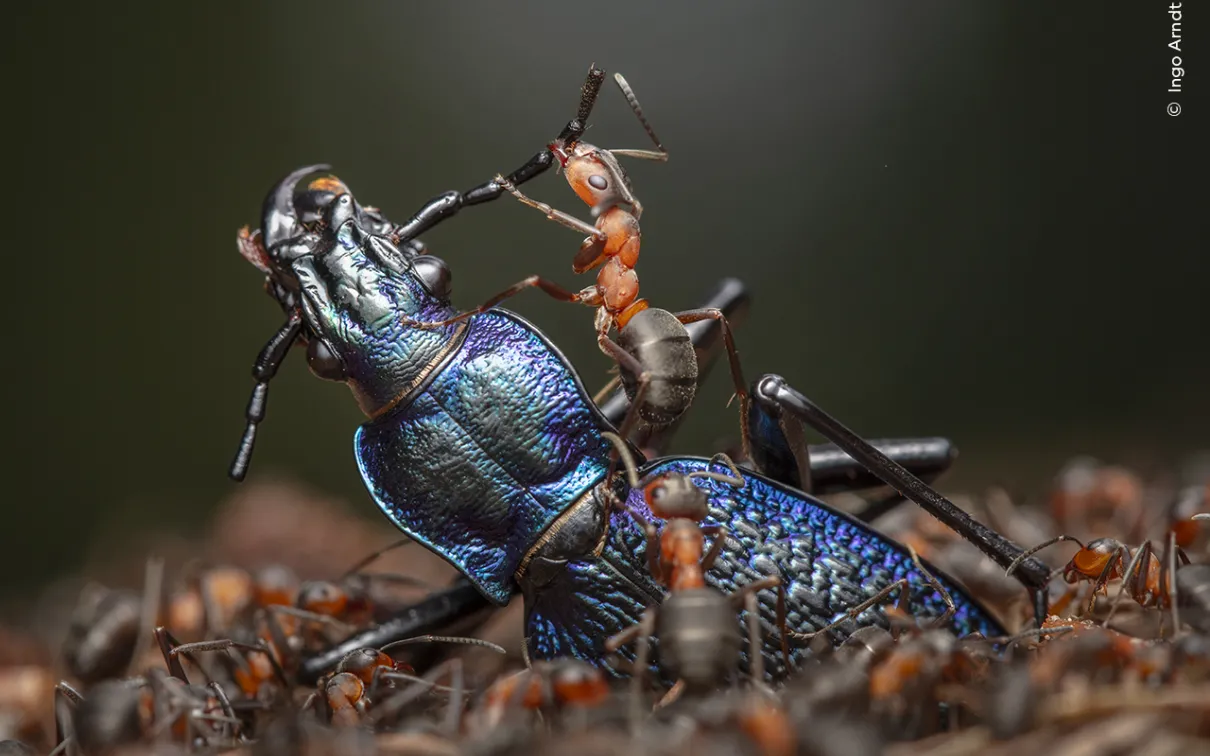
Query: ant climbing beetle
482	444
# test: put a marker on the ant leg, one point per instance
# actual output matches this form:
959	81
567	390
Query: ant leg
734	478
224	645
1130	580
267	363
615	642
625	361
750	589
1012	567
755	653
852	612
1061	603
458	640
311	616
950	609
172	660
153	586
373	557
228	711
777	396
533	282
453	714
1102	581
732	298
66	700
558	216
606	392
1168	583
737	373
646	628
720	539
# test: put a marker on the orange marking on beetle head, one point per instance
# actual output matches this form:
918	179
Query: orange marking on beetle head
328	184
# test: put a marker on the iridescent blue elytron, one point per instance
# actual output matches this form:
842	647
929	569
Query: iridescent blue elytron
483	444
827	560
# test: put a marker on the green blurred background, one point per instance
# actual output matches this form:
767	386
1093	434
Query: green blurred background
970	219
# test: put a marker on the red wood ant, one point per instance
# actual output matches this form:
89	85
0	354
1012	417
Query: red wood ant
549	686
696	624
363	686
653	348
1146	578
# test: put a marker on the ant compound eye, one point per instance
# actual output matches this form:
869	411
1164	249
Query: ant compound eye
598	182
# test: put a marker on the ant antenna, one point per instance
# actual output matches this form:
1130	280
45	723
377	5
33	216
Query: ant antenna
632	474
662	153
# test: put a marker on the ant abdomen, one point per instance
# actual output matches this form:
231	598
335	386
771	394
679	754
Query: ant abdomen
660	343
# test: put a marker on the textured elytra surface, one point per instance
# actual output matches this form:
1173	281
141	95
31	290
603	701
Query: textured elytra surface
827	562
489	453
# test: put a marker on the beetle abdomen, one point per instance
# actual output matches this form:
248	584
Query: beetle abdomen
662	346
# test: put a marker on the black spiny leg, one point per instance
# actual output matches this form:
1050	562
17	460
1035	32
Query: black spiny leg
267	363
777	399
449	203
436	613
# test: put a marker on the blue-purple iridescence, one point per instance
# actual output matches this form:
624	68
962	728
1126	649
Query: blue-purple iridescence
827	561
501	438
489	453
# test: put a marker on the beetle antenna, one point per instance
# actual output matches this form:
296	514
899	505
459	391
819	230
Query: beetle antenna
266	366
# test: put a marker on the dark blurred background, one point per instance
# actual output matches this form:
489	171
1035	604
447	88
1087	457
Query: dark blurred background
970	219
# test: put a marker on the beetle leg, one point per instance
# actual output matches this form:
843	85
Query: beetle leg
454	605
449	203
775	397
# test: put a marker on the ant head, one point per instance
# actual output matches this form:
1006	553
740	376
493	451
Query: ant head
1091	560
322	597
673	496
596	177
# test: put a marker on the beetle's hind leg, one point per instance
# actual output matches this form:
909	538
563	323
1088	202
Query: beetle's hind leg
774	399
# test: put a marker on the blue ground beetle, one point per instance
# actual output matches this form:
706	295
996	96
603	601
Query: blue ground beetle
482	444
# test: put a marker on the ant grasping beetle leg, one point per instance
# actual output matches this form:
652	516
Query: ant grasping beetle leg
281	226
